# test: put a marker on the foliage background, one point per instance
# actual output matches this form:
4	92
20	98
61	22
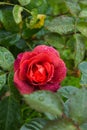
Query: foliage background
25	24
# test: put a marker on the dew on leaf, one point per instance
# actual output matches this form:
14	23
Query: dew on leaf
41	98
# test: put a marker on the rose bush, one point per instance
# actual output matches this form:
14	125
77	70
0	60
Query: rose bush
40	69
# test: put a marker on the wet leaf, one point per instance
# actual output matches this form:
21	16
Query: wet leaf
79	48
2	79
77	106
6	59
61	25
45	101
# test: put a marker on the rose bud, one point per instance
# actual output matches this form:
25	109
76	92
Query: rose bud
40	69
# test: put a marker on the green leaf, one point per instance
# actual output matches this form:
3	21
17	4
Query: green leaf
78	107
61	25
82	27
6	59
60	124
45	101
58	6
73	7
9	114
83	13
84	2
50	116
55	40
6	18
67	91
17	13
8	38
35	124
28	33
21	44
79	49
13	91
76	44
66	108
83	68
2	79
68	50
24	2
83	126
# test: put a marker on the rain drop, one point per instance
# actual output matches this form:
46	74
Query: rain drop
6	56
41	98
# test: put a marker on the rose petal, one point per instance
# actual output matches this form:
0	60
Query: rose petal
22	86
40	58
49	69
23	70
26	65
27	56
51	87
59	71
44	48
50	51
17	61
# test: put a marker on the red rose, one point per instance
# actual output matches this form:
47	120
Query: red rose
40	69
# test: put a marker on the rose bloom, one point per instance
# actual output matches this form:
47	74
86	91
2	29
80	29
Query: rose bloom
40	69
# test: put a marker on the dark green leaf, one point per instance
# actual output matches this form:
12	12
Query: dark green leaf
17	13
61	25
14	92
2	79
8	38
6	18
9	114
27	32
45	101
55	40
35	124
6	59
21	44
